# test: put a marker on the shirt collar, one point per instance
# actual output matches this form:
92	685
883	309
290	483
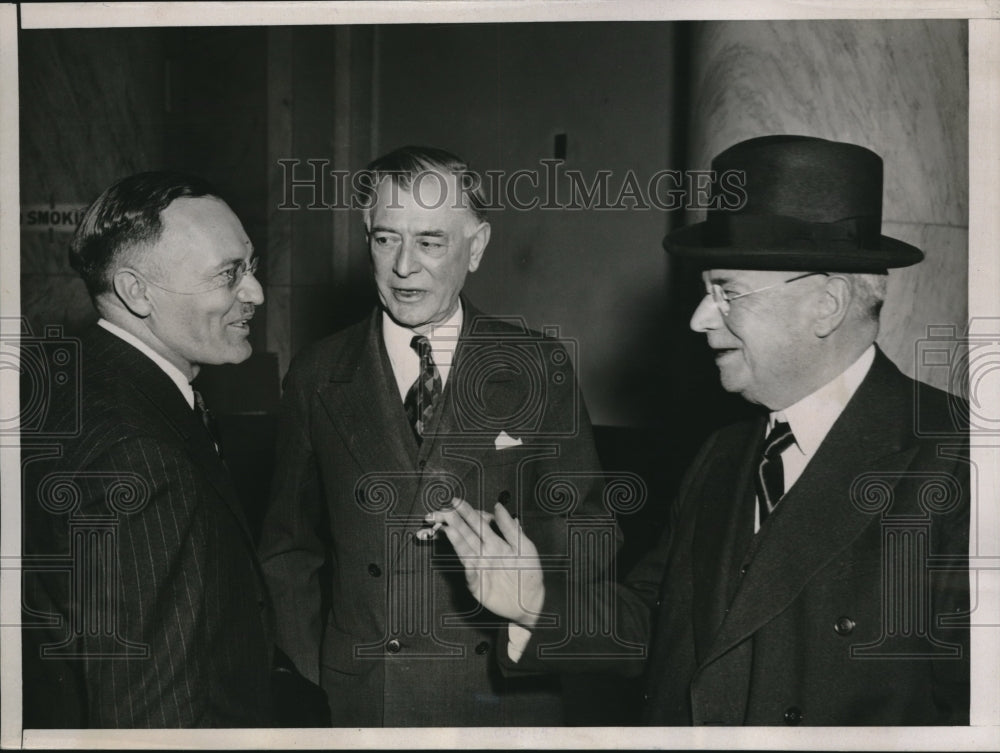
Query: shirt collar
811	417
443	337
175	374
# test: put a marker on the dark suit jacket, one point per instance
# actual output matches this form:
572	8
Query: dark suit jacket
847	607
144	600
384	622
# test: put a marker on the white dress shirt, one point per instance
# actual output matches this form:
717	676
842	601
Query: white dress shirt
812	417
175	374
406	368
406	361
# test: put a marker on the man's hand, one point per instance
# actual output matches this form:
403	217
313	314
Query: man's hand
502	572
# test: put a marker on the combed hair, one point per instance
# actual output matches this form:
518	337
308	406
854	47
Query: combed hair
403	166
870	291
125	216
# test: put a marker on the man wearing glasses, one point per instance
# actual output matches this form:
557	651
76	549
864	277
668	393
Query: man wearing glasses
152	609
814	570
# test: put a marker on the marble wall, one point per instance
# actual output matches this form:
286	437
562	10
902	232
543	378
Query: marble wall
899	88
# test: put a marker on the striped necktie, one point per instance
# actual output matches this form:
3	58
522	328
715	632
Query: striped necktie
424	393
208	420
770	479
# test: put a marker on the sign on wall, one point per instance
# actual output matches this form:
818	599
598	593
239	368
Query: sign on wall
52	217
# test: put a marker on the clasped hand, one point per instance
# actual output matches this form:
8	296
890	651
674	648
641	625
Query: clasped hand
503	572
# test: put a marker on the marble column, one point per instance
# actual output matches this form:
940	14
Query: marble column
899	88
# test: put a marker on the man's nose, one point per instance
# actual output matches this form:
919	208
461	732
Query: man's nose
406	260
707	316
250	290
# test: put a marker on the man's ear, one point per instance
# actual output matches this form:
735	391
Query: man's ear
478	243
131	290
833	305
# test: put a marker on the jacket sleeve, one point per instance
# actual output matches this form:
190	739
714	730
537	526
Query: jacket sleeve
291	548
624	609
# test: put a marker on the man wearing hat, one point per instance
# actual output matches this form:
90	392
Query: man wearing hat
815	567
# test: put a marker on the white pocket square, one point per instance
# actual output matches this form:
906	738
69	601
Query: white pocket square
505	440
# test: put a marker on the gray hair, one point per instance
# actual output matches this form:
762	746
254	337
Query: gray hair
127	215
406	165
869	290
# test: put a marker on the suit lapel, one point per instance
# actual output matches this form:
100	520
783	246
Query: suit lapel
363	403
461	436
724	529
817	519
164	399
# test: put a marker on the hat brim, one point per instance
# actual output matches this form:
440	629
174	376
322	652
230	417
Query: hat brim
688	243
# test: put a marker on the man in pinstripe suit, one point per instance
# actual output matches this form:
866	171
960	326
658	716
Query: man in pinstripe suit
151	610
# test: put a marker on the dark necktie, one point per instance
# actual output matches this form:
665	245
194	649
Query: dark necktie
771	473
425	391
208	419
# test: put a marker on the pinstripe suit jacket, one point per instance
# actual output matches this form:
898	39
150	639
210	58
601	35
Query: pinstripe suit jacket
144	602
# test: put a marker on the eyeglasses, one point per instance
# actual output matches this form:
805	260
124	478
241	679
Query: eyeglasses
230	278
722	299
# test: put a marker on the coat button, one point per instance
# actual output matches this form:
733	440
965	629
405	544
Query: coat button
374	570
743	570
482	648
393	646
793	715
844	626
504	497
422	464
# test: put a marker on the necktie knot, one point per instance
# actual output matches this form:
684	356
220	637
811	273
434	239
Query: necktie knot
779	439
424	393
422	345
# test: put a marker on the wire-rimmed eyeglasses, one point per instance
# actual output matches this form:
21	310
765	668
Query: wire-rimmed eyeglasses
722	299
230	278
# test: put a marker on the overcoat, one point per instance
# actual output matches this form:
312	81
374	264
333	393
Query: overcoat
385	622
144	602
849	606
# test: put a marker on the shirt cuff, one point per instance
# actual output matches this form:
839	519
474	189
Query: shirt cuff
517	641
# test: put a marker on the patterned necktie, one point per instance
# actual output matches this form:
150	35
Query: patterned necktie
208	419
425	391
771	473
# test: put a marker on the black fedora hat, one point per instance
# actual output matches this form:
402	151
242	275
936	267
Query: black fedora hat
794	203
